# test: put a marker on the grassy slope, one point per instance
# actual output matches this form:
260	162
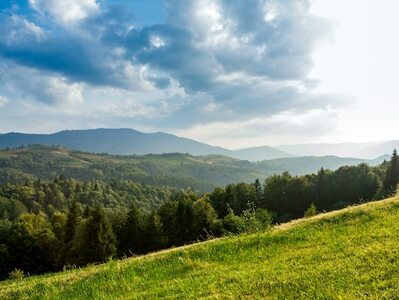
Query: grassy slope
348	254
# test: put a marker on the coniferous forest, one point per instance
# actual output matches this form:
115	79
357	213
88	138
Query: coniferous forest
50	225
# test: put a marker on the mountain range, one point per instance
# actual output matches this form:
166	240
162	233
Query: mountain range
128	141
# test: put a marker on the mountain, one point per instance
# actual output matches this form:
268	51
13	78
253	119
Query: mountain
346	254
129	141
113	141
259	153
311	164
379	149
322	149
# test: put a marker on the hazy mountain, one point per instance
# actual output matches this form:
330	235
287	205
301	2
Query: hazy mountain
129	141
113	141
322	149
379	149
311	164
260	153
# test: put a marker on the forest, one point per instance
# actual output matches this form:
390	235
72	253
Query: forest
50	225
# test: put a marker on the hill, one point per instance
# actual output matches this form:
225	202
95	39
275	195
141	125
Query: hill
371	151
346	254
310	164
174	169
260	153
337	149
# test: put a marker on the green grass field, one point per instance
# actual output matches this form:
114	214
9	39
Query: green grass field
347	254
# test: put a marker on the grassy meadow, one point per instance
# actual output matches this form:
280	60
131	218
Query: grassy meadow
348	254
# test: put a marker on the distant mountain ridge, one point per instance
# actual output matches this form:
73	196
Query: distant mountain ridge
337	149
128	141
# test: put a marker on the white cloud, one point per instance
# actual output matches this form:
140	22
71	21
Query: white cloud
293	126
3	101
48	88
66	11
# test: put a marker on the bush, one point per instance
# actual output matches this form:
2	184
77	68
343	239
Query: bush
311	211
16	274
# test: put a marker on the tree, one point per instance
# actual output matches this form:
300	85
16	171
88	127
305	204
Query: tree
153	233
204	215
131	235
73	220
258	193
99	239
392	173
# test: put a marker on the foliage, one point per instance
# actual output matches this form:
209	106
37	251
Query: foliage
311	211
49	225
391	179
16	274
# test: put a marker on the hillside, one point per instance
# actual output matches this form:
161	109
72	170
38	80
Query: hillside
175	169
347	254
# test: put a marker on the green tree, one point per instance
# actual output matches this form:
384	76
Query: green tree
153	236
131	237
392	173
204	215
99	239
73	220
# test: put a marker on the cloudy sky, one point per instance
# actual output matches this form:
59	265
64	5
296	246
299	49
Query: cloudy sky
231	73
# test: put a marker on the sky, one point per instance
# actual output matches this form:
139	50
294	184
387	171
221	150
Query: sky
230	73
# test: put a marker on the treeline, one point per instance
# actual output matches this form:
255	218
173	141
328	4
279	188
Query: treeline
47	226
37	243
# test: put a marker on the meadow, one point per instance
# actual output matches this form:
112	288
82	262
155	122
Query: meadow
347	254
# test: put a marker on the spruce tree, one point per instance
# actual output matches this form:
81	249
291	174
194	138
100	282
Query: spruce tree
99	239
153	233
392	173
132	232
73	220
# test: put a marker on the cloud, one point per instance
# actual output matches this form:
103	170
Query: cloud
66	11
42	87
3	100
209	61
286	126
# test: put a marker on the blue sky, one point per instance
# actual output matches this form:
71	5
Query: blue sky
220	71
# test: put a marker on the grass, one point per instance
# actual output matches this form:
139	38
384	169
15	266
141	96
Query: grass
347	254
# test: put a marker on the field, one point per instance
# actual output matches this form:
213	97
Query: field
347	254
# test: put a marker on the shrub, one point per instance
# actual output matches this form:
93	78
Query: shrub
16	274
311	211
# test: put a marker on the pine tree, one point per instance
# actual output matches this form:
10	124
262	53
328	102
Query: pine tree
73	220
392	173
153	233
99	239
131	240
258	193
